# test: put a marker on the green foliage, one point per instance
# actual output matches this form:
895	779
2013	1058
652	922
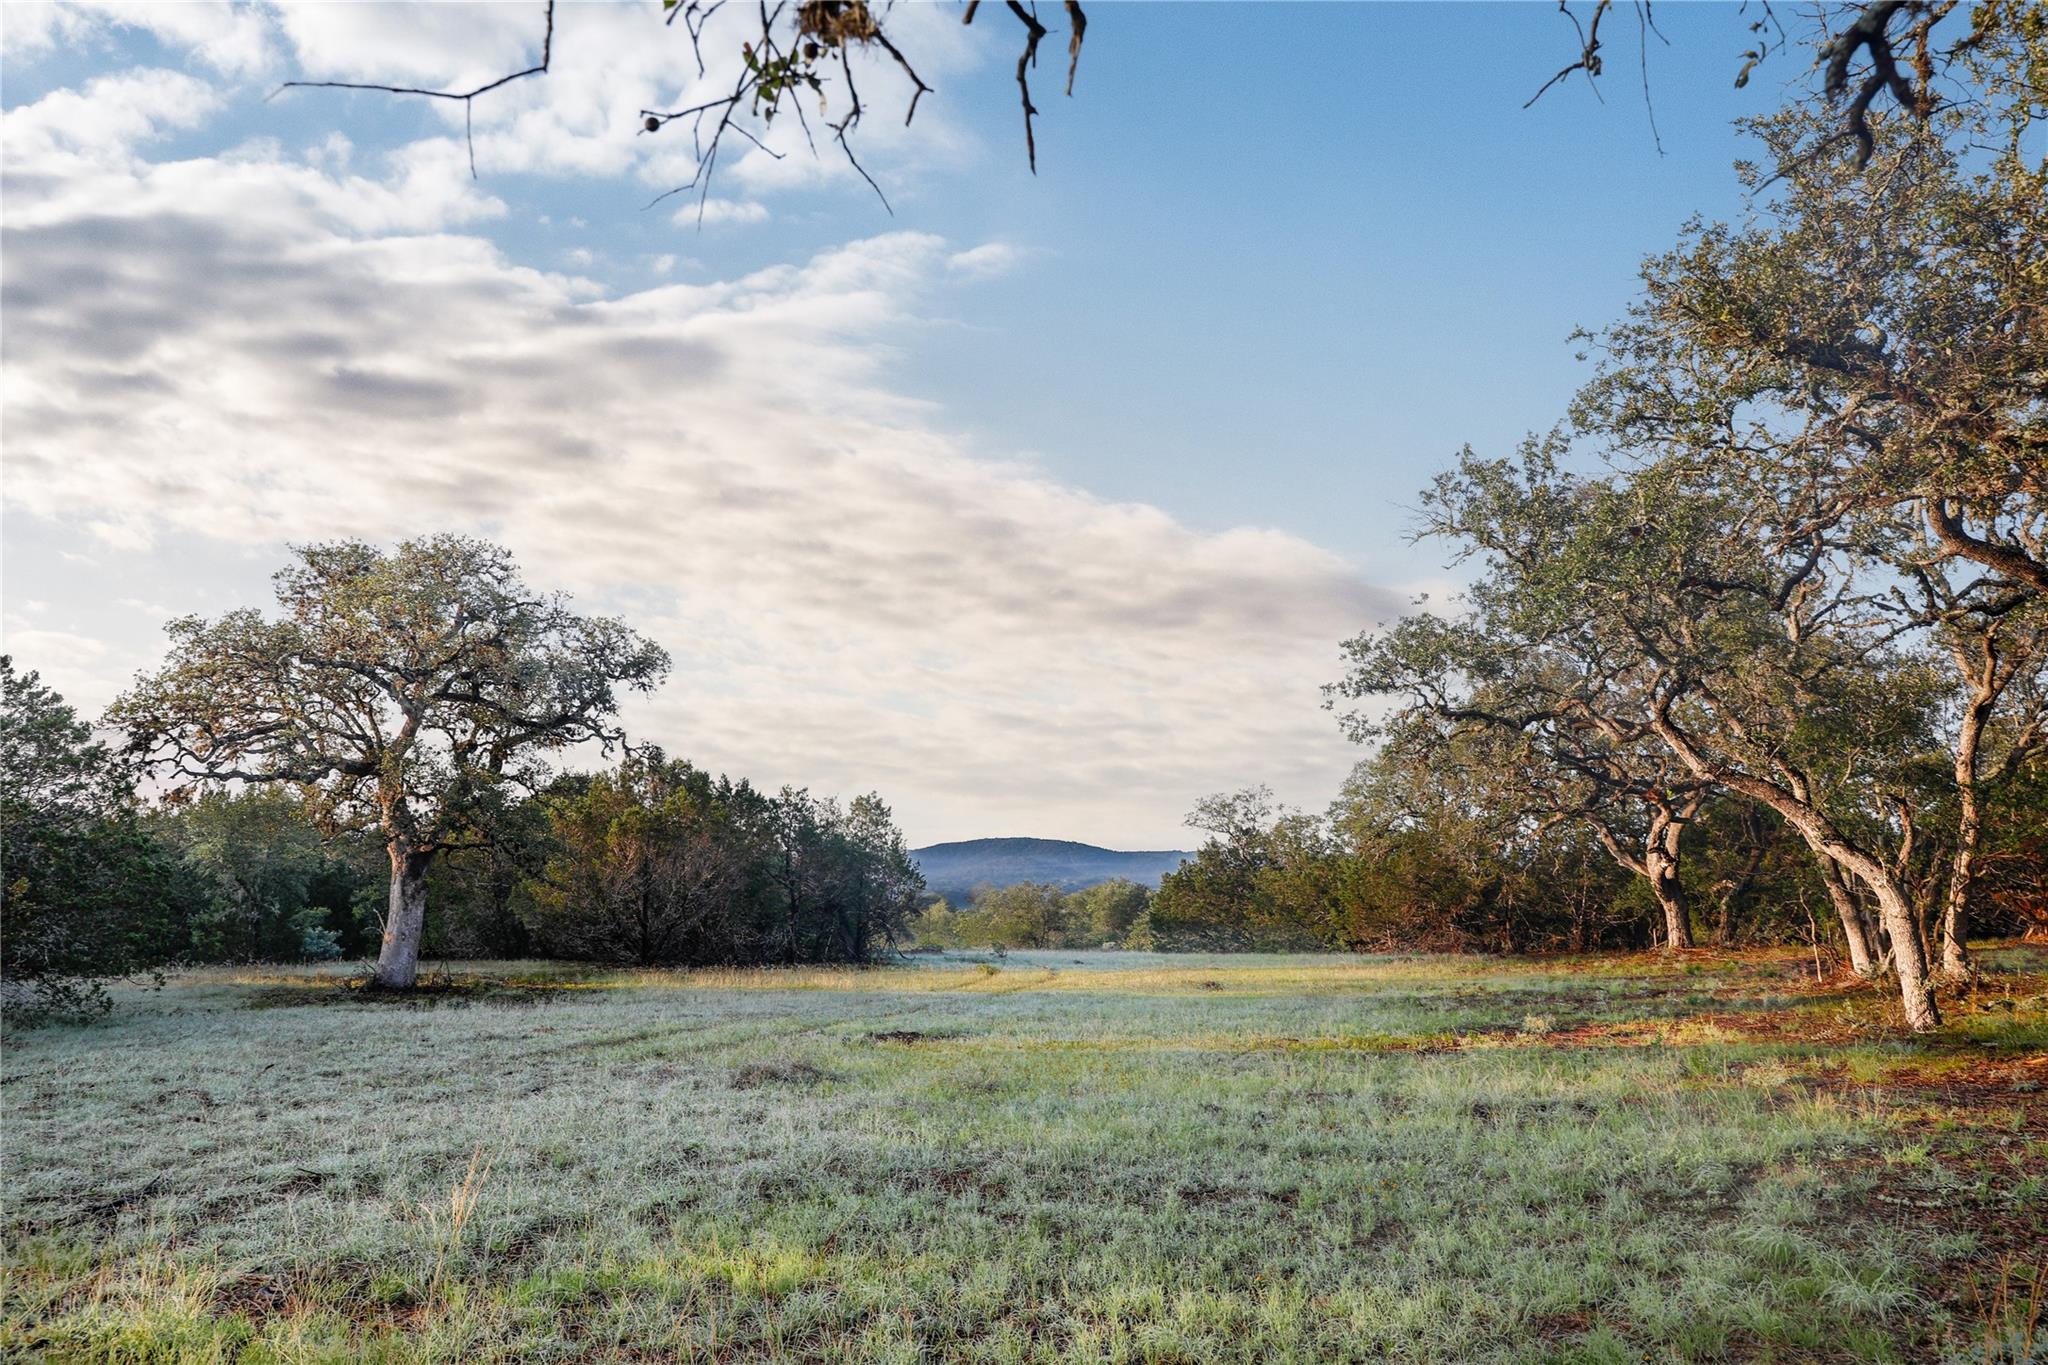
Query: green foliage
1115	913
255	861
1025	915
481	889
1112	911
405	692
655	863
1268	878
2015	859
88	893
659	863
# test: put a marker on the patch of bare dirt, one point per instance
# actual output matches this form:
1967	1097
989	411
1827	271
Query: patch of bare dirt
963	1180
1985	1126
755	1074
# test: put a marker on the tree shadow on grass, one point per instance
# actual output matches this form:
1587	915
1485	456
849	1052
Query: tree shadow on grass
430	992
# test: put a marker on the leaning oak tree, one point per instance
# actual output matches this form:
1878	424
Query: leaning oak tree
405	692
1770	677
1569	705
1863	363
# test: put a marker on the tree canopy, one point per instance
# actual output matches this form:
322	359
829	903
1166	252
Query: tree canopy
87	893
406	692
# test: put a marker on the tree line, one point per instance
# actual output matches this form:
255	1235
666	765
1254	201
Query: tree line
1440	857
303	787
1754	641
1780	575
1113	914
1759	626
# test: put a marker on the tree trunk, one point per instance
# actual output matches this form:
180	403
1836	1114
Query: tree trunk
1861	960
1955	910
1660	865
1895	914
398	957
1827	843
1671	900
1916	989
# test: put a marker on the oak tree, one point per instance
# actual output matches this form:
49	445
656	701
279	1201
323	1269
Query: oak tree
1567	706
404	691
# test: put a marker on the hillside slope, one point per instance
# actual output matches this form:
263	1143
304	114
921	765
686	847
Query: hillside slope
953	870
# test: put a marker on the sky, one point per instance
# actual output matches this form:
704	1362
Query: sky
1039	505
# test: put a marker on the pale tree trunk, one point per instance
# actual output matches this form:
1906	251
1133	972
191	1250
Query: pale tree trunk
1660	865
398	957
1862	960
1955	910
1895	913
1827	842
1916	988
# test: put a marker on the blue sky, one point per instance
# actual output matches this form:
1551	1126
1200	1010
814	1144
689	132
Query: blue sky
1040	506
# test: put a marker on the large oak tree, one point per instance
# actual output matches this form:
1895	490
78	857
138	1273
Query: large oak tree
406	692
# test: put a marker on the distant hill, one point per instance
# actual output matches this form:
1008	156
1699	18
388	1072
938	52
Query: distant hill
953	870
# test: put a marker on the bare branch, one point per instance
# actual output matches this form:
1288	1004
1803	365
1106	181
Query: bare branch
915	79
840	129
547	45
1034	32
1589	50
1078	22
1871	33
1645	26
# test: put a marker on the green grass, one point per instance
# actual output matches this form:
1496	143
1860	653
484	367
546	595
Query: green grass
1071	1157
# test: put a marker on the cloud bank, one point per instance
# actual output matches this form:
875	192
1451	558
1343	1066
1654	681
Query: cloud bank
253	349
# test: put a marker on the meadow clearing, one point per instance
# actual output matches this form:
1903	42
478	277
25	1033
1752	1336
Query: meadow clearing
1056	1156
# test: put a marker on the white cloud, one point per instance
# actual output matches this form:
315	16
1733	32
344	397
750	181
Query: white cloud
36	650
106	119
583	116
990	258
73	153
710	211
235	40
261	350
450	47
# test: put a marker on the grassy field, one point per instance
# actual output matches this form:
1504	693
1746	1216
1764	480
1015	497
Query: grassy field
1059	1156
